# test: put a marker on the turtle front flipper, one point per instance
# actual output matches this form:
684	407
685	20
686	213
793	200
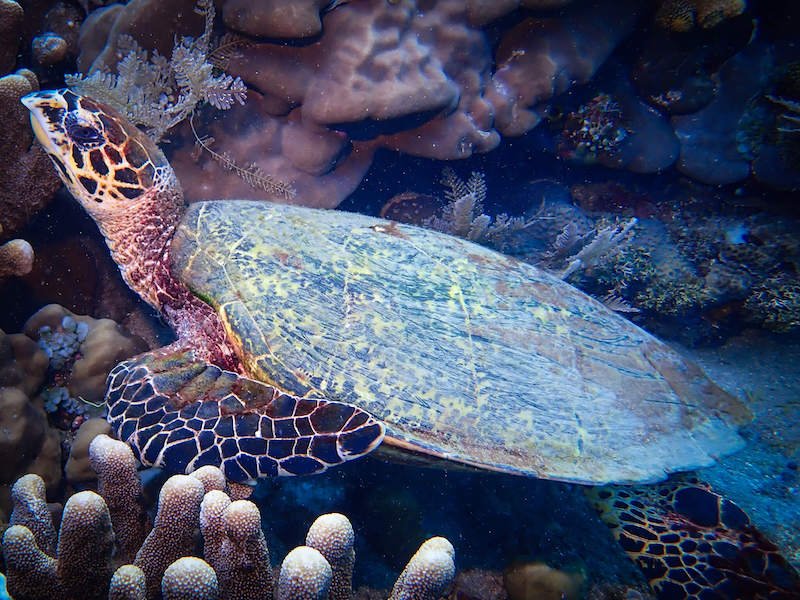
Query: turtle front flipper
179	413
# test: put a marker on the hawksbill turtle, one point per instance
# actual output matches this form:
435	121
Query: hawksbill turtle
307	337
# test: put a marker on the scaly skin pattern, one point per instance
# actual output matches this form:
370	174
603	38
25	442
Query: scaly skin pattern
189	404
692	543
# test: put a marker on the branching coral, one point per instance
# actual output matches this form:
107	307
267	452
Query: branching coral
428	573
234	546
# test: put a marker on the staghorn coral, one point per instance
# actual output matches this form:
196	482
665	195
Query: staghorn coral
234	547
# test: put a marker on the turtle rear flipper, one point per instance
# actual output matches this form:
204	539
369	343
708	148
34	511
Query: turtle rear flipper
181	413
690	542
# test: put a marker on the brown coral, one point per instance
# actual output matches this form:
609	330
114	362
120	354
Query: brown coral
429	572
105	345
11	16
16	258
238	559
332	535
27	179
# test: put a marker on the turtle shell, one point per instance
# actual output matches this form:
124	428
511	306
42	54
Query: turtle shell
464	353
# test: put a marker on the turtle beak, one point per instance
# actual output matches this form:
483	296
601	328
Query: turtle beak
47	115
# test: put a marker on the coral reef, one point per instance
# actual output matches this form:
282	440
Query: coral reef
11	17
540	58
417	82
81	560
81	350
63	356
463	215
429	572
157	93
27	443
594	131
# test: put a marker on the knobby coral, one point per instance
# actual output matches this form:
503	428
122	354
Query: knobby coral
27	179
81	561
16	258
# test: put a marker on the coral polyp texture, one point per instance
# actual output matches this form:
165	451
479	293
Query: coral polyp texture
86	559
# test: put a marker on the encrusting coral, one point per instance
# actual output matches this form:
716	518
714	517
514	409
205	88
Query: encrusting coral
377	75
97	534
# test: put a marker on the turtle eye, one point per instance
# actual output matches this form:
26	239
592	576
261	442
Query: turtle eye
82	132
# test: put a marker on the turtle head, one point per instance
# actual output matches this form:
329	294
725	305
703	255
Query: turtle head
108	164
